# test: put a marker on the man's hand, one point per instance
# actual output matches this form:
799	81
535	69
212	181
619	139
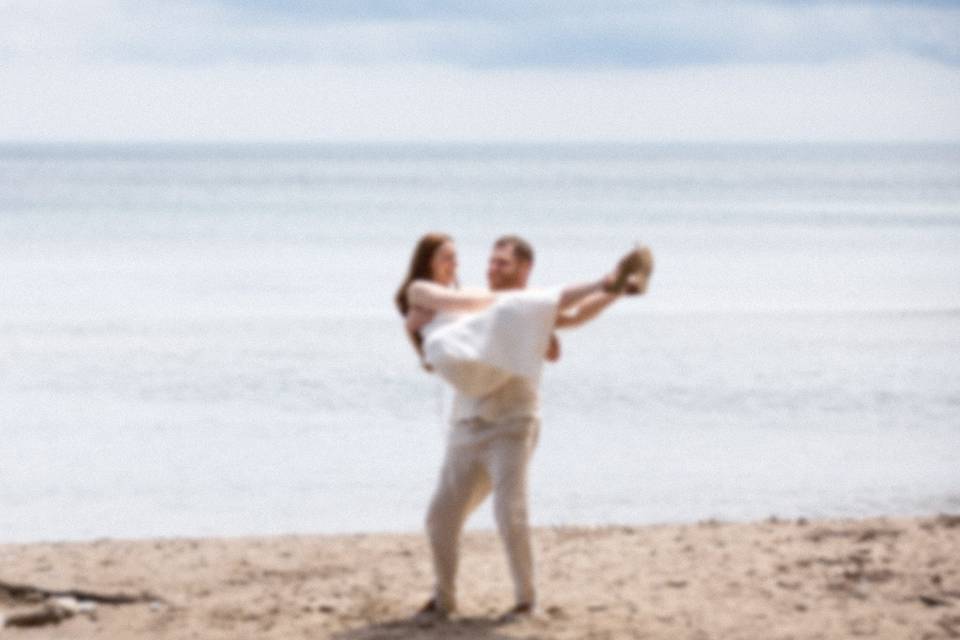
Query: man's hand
553	351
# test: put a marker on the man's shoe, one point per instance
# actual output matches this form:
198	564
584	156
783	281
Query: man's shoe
522	611
431	612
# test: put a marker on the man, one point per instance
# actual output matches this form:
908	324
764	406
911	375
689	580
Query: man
490	443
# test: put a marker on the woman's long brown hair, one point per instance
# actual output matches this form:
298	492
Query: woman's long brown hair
420	266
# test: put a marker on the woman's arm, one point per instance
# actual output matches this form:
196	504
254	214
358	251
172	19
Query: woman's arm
585	311
414	321
435	297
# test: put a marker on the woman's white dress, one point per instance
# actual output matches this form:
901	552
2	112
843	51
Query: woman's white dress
480	351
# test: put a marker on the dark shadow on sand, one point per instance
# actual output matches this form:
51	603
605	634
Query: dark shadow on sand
465	628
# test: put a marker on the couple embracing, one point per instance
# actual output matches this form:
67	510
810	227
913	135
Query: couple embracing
490	345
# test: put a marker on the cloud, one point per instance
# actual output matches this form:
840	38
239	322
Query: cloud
499	34
295	70
615	33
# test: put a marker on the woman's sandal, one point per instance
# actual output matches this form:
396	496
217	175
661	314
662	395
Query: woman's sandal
636	285
628	265
637	262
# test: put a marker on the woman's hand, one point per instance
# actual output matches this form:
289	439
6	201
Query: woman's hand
417	318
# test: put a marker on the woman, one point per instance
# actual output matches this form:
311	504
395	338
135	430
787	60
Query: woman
477	340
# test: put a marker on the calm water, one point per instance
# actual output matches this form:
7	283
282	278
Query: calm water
200	340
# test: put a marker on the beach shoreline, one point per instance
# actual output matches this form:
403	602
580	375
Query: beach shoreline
888	577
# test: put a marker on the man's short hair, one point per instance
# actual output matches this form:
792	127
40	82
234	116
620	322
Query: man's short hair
522	250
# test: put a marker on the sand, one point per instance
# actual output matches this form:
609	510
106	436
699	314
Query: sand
875	578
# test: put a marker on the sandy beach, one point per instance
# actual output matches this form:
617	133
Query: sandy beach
881	578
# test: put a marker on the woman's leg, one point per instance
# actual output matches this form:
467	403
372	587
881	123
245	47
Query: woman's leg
638	262
571	295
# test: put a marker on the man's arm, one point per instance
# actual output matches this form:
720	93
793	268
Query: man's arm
586	311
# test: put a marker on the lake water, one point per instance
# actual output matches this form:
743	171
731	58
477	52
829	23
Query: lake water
200	340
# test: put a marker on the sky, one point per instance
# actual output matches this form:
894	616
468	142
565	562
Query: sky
499	71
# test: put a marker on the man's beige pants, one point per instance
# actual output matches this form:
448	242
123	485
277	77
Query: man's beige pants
484	456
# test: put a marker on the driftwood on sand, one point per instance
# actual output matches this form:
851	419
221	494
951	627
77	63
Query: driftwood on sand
38	606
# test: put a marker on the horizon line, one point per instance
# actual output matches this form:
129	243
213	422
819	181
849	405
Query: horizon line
488	142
